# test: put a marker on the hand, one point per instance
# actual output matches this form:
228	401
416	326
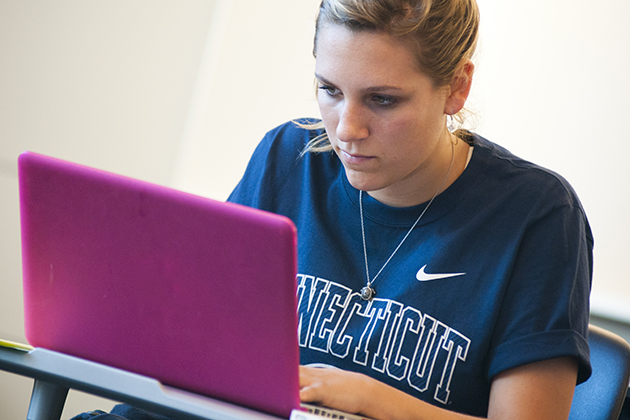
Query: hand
335	388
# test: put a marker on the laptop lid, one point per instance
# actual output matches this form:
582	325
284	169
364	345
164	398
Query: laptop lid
196	293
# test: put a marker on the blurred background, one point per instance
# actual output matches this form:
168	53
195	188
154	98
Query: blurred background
179	94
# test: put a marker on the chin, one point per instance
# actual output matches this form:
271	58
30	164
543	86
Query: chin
363	184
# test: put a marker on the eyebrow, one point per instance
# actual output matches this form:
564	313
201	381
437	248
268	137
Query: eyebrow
371	89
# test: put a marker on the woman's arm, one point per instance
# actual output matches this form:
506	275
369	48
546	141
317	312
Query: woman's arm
537	391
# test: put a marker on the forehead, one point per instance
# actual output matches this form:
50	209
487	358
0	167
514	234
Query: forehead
367	56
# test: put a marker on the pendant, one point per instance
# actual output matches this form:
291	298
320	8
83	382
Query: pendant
367	293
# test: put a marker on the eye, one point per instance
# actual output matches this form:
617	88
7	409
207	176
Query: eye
384	100
330	90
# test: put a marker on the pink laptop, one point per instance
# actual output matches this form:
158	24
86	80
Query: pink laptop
196	293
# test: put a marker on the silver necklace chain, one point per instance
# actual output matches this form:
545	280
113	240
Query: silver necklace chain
368	292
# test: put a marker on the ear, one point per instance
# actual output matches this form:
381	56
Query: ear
460	88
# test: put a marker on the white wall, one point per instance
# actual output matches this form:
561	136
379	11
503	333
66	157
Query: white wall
257	75
553	87
179	93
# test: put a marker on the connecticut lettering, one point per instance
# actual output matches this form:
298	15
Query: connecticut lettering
384	335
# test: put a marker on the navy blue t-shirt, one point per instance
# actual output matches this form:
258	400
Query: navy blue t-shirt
508	245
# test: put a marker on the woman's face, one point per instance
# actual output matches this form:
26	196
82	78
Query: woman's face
385	120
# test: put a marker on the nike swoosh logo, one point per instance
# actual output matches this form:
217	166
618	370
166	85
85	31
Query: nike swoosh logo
424	276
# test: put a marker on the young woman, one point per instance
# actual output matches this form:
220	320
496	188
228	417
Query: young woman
440	276
443	276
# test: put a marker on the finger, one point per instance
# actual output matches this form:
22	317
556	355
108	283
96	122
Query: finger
305	378
309	395
308	386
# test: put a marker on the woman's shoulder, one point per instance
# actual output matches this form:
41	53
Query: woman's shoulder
294	134
500	165
286	147
283	145
279	165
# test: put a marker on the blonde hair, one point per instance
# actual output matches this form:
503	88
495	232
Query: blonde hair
442	35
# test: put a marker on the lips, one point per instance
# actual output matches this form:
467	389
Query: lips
354	159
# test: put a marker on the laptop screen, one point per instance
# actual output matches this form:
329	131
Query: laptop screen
196	293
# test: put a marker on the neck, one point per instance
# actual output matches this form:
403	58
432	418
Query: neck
408	193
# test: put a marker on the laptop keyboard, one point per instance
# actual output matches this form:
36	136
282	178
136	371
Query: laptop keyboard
316	412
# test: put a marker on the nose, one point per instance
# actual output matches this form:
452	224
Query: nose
352	123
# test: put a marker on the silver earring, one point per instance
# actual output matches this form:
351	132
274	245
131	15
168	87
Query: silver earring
451	123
